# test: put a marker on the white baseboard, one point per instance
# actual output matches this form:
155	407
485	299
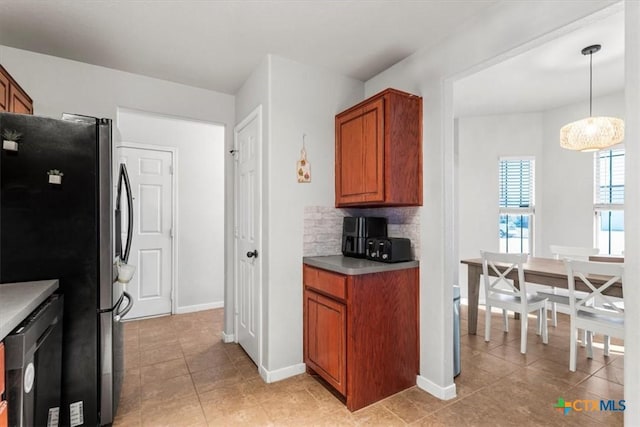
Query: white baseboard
282	373
199	307
443	393
226	338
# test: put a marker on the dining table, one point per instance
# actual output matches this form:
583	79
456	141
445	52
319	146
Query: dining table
537	270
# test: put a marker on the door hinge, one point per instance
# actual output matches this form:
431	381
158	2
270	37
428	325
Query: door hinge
170	169
171	232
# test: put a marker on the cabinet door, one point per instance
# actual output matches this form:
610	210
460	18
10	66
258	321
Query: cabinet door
325	338
4	92
19	102
4	414
360	155
1	368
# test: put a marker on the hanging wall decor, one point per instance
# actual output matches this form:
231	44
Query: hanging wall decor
55	176
10	139
303	168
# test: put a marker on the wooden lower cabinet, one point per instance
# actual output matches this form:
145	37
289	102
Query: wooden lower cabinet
326	337
362	339
1	369
4	410
4	414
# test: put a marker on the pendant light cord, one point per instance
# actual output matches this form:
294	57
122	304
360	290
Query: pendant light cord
590	84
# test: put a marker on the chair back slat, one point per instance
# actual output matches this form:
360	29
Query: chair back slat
572	252
501	265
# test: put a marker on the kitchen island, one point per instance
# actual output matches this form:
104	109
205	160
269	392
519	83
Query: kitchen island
361	326
18	300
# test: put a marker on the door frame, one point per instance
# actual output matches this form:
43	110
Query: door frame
255	114
174	206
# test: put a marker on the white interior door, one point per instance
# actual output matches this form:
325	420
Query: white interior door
151	248
248	257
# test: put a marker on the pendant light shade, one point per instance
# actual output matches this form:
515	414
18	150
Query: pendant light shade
592	133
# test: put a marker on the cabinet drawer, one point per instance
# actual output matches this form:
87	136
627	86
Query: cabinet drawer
4	92
326	282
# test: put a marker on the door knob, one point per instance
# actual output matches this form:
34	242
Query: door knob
253	254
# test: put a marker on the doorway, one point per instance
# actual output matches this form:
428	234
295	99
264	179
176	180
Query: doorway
198	158
522	125
151	175
513	121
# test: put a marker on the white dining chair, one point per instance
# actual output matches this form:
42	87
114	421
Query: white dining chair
561	296
596	312
503	293
617	302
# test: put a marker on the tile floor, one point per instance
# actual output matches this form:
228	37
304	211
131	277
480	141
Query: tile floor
179	373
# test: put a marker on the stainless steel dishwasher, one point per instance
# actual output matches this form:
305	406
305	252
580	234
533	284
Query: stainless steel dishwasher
33	366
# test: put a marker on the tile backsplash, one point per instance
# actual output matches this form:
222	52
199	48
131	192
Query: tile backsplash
323	227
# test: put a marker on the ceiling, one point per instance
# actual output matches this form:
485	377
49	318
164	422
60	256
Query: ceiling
548	76
217	44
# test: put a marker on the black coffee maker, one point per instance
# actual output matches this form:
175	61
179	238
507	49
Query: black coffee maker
357	229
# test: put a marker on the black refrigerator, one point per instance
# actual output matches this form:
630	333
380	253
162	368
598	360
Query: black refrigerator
58	221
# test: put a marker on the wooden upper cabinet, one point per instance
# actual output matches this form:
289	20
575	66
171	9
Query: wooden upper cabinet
379	151
4	91
19	102
13	98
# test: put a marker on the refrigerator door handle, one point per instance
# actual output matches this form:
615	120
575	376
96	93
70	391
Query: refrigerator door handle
124	178
121	313
115	306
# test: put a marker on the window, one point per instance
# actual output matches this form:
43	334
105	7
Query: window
516	204
609	201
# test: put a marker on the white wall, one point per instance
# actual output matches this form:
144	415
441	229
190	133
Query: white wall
632	210
199	168
482	140
59	85
304	100
503	31
299	99
567	178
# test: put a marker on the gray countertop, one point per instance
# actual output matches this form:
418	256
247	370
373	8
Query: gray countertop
355	266
18	300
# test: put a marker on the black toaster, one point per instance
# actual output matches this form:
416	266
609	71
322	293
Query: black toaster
356	230
388	249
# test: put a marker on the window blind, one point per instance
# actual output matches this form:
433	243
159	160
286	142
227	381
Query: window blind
609	175
516	186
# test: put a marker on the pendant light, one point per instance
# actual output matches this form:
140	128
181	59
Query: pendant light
592	133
